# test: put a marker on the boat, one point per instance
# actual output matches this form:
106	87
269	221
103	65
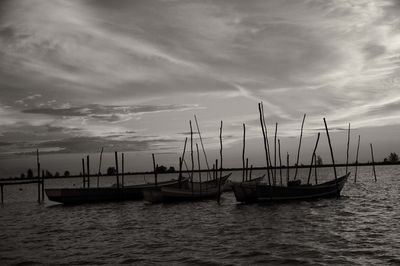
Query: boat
228	186
191	191
262	192
102	194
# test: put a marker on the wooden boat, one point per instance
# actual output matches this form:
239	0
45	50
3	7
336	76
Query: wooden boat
245	192
228	186
204	190
113	193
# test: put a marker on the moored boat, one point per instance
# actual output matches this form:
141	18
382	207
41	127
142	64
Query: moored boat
113	193
204	190
245	192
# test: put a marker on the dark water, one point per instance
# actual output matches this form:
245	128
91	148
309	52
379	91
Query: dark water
361	228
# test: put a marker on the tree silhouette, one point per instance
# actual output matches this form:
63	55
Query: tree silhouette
111	170
319	160
66	173
393	158
29	174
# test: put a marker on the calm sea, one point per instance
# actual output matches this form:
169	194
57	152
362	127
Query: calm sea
361	228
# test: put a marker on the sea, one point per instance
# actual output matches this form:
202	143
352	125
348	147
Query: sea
362	227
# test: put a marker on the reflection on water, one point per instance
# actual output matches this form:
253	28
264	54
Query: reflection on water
362	227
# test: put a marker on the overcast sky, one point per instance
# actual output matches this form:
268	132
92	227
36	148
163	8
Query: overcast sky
129	75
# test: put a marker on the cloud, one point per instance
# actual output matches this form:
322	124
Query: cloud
108	113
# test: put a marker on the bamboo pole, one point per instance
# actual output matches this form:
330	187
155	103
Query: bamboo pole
243	152
42	185
198	163
180	172
266	136
315	169
88	171
202	146
154	169
287	168
247	168
373	161
38	176
116	169
276	132
358	148
280	161
83	173
333	159
98	173
312	158
298	150
220	153
347	153
265	142
191	154
122	170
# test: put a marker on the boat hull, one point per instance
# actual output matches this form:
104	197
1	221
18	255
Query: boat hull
85	195
265	193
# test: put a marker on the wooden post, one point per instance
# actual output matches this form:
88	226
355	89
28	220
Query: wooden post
280	161
123	169
202	146
83	173
244	147
191	154
265	142
312	159
42	185
220	153
116	169
180	172
287	168
251	171
276	132
2	193
154	169
247	168
198	162
333	159
347	153
98	173
315	169
298	151
184	151
373	161
38	175
358	148
88	171
266	137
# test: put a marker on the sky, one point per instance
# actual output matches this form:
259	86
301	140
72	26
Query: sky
128	76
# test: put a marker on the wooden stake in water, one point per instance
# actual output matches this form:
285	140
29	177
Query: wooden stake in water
312	159
42	185
333	159
348	144
117	169
2	194
358	148
251	171
83	173
373	161
266	137
287	168
247	169
122	169
280	161
88	171
154	169
98	173
244	147
298	150
265	142
202	146
198	163
38	175
276	132
315	169
220	153
191	153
